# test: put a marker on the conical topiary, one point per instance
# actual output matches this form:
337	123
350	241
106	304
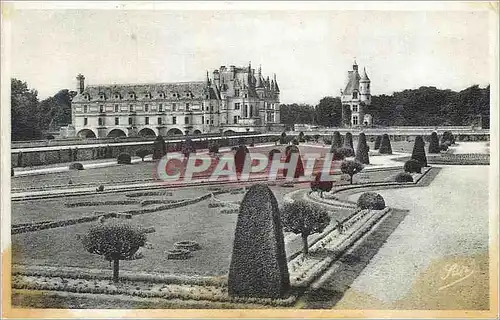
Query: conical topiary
362	150
258	263
419	151
385	145
348	141
378	140
159	148
434	143
336	141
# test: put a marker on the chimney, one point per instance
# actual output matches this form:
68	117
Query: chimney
80	84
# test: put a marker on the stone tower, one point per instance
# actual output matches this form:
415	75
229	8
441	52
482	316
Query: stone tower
356	99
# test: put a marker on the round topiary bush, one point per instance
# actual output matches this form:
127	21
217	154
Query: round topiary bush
434	143
213	148
124	158
295	142
100	188
413	166
443	147
371	200
76	166
342	153
403	177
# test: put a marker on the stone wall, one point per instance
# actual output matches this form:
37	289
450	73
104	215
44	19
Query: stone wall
88	152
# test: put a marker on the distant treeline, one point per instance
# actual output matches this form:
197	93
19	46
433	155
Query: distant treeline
425	106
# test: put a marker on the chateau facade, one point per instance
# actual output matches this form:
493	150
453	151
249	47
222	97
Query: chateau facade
230	100
356	99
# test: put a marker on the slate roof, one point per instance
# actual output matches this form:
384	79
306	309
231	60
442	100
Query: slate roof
184	90
352	82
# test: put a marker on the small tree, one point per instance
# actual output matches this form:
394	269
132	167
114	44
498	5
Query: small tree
413	166
316	137
114	241
385	145
348	141
239	158
351	168
295	142
434	143
283	138
301	137
419	151
321	186
362	150
142	153
213	148
304	218
448	136
377	142
299	168
124	158
188	147
159	148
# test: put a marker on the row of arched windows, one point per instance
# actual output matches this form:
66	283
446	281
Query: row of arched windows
132	95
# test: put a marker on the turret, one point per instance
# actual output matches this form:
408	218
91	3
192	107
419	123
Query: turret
355	66
80	83
259	83
364	87
276	88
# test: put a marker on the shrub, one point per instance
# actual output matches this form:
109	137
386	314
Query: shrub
301	137
413	166
443	147
258	263
362	150
342	153
434	143
419	151
377	142
142	153
351	168
213	148
316	137
403	177
321	186
348	142
76	166
307	138
188	147
235	148
114	241
448	136
100	188
327	140
291	148
371	201
272	153
385	145
124	158
159	148
295	142
336	141
304	218
283	138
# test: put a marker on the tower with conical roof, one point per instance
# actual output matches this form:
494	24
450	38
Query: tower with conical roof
356	99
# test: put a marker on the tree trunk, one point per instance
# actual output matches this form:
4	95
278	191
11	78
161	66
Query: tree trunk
305	249
321	194
116	266
351	178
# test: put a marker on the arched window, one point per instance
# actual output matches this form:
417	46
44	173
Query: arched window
355	95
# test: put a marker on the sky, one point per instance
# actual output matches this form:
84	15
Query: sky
310	51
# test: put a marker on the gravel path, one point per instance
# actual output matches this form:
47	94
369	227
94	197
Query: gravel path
447	219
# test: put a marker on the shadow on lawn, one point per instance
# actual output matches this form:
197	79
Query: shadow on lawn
332	289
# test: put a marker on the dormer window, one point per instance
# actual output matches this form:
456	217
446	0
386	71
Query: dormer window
147	95
117	96
236	92
355	95
102	96
174	95
161	95
87	96
131	95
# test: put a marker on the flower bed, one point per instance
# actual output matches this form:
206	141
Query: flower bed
149	193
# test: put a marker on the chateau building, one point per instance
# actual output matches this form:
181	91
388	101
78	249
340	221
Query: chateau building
356	99
230	100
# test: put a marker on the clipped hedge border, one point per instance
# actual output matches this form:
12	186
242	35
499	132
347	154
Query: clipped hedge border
100	203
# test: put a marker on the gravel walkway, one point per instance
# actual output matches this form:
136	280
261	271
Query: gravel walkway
447	224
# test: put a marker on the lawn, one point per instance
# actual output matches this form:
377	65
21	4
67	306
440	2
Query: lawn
211	228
